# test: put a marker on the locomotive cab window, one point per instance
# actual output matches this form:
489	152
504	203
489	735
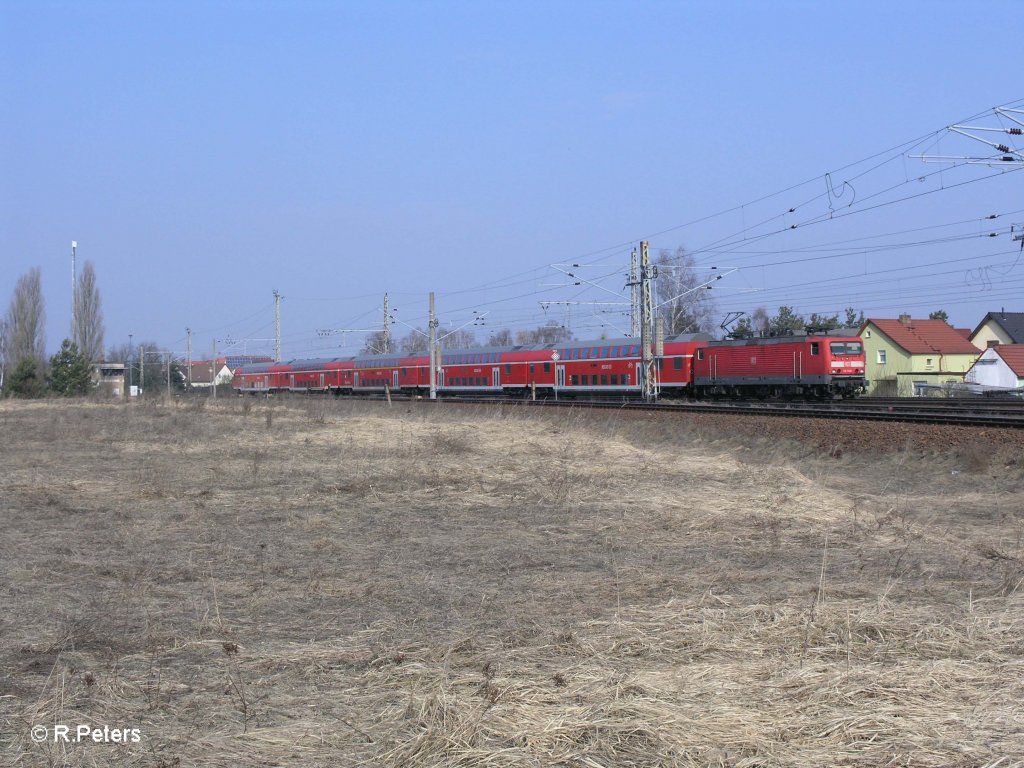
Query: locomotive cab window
700	354
814	347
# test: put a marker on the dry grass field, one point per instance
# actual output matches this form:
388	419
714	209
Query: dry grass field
341	584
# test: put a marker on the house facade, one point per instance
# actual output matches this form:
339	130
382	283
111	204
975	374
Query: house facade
907	357
999	328
1000	367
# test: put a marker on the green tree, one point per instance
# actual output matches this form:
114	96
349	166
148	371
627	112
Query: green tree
743	329
786	322
853	319
939	314
24	380
70	371
823	322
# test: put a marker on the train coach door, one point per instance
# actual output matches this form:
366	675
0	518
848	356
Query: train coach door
559	376
355	379
640	374
394	380
495	377
321	381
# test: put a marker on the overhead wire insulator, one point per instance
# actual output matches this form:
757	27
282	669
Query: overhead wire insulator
1015	131
1002	148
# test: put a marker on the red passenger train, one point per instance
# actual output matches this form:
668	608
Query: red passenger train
689	366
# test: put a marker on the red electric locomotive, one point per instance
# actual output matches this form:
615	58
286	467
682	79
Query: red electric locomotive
785	366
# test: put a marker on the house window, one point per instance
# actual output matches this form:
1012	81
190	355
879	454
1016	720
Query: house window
881	357
929	362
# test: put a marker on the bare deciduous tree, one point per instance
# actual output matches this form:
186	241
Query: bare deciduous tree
686	307
549	334
502	338
24	335
88	315
460	339
374	344
414	342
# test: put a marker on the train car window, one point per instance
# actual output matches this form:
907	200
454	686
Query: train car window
593	380
604	351
615	379
604	380
572	381
661	363
531	367
625	379
846	348
677	363
593	353
547	367
814	347
508	368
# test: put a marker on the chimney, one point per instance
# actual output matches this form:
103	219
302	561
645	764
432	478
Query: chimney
993	343
905	319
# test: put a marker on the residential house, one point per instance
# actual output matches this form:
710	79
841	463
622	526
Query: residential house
203	370
1001	366
907	357
999	328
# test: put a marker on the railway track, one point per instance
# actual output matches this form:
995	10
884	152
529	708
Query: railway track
914	410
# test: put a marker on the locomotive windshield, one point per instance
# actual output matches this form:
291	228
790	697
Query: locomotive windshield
846	348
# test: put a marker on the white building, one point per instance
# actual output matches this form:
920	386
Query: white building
1000	367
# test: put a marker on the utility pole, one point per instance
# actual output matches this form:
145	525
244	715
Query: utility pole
386	339
213	358
188	361
74	290
142	369
634	297
277	327
129	361
647	275
433	349
168	375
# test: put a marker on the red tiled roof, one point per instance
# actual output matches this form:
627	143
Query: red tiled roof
202	372
965	332
1013	355
919	337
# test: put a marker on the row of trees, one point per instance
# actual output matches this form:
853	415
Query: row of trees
417	340
24	369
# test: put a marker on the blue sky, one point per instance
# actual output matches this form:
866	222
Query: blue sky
205	154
